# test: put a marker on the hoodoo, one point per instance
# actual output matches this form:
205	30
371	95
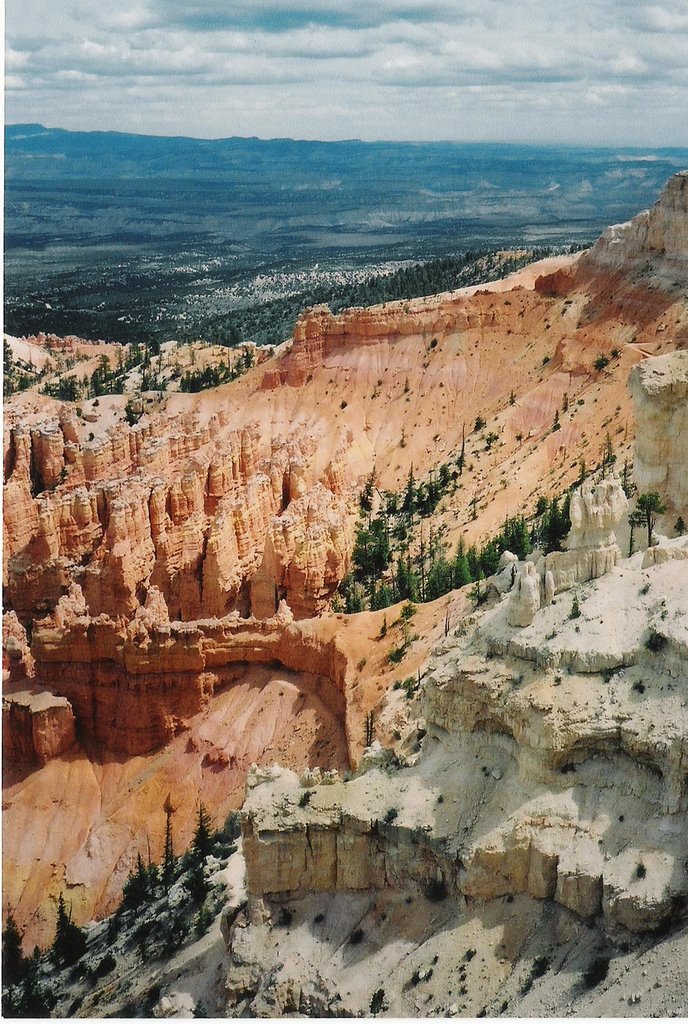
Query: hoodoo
386	593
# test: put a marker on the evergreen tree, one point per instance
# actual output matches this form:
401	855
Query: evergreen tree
461	570
7	369
650	507
440	578
634	520
13	963
410	493
168	861
366	498
202	839
139	885
608	456
69	944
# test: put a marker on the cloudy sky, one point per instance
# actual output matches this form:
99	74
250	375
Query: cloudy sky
587	71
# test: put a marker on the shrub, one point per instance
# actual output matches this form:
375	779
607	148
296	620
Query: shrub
204	919
436	890
104	966
479	423
285	917
640	871
305	798
377	1003
397	654
601	362
597	971
391	815
232	826
655	641
356	937
575	609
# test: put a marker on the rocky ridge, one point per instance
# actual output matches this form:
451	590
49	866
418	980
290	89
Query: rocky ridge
150	545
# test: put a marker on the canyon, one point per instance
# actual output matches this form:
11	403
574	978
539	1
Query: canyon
171	627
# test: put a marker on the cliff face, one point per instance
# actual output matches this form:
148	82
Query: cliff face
135	686
660	389
659	234
163	552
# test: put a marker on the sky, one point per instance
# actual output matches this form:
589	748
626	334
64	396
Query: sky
589	72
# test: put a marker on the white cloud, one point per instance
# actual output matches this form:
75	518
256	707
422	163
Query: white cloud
333	68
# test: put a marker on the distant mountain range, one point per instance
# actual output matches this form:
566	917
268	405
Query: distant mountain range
238	189
94	202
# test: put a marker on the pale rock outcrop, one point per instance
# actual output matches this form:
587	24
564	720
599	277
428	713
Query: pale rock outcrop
666	551
176	1005
543	774
592	551
524	600
660	234
591	548
660	391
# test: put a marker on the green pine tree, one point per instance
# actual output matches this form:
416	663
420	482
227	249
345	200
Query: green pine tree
202	839
69	944
13	963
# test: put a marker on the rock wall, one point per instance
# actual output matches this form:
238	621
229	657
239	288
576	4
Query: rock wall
660	390
545	748
133	686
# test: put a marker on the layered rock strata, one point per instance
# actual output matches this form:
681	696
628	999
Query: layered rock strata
546	746
134	685
660	234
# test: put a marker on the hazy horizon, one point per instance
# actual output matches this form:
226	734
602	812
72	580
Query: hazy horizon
533	143
600	74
